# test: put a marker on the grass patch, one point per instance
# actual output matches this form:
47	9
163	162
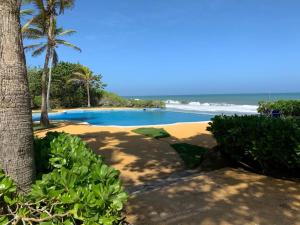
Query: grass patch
152	132
37	127
192	155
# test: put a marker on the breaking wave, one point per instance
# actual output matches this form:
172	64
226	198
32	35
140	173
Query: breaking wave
211	107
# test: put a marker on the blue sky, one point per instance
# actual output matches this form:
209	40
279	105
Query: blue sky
155	47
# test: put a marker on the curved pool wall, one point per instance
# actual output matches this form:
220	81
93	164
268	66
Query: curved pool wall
134	117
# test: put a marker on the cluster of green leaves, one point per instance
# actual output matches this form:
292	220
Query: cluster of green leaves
79	189
191	155
152	132
109	99
269	143
64	94
286	107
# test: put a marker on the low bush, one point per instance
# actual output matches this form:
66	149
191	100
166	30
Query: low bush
152	132
79	189
191	155
267	143
286	107
109	99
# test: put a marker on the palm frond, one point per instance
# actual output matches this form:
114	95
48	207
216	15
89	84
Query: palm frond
64	4
33	47
39	4
61	32
68	44
39	51
74	80
33	33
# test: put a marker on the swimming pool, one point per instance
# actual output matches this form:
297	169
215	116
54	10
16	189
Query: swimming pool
127	117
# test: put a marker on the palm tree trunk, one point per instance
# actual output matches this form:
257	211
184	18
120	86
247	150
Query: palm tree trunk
44	121
49	80
44	108
16	139
88	93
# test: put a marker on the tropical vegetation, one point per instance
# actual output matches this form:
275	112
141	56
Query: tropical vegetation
264	143
288	108
85	76
75	187
37	31
45	19
69	90
109	99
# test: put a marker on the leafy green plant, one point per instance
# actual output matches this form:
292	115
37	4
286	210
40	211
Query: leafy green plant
79	189
286	107
191	155
152	132
268	143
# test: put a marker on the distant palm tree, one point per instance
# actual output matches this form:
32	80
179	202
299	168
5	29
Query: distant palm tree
37	31
16	138
48	10
85	76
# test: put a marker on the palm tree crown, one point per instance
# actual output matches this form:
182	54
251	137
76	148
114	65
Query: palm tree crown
38	31
88	78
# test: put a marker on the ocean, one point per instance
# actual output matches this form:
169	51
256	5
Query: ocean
219	103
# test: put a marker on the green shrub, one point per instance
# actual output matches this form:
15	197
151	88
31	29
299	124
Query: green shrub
80	189
191	155
270	143
286	107
37	102
109	99
152	132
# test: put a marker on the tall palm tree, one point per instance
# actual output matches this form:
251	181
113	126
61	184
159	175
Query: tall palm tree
85	76
16	139
37	31
48	10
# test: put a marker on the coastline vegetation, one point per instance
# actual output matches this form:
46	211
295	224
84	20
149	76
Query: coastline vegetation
288	108
69	89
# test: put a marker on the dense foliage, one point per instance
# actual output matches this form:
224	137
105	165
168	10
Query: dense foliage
79	189
109	99
266	143
68	94
286	107
64	94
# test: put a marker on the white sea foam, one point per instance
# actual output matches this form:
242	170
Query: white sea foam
212	107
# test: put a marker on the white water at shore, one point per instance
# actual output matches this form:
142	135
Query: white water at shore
212	107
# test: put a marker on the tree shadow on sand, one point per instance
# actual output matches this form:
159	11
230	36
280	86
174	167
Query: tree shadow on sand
226	196
140	159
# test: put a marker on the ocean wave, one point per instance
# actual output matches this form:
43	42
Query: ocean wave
211	107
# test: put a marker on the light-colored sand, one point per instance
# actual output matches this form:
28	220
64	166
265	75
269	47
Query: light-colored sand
223	197
140	159
219	197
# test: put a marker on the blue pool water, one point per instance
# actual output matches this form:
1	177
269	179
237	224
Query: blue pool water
127	117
